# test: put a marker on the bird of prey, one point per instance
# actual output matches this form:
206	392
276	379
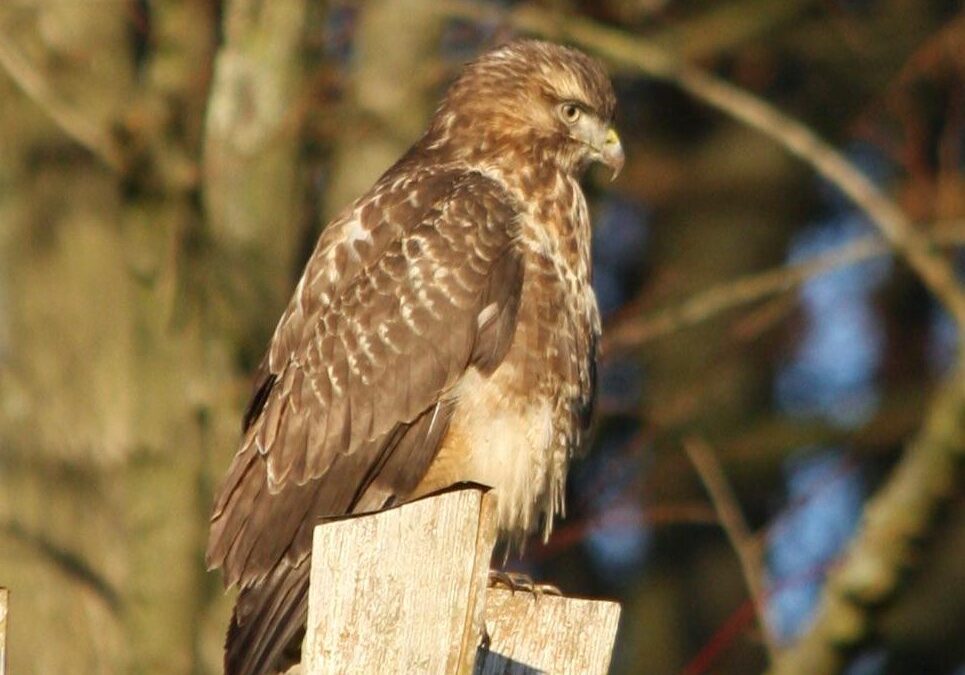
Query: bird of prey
444	330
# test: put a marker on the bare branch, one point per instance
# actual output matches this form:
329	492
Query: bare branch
633	331
893	522
728	509
723	26
928	263
70	563
731	294
90	135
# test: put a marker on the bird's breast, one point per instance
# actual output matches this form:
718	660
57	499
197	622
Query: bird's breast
503	438
514	428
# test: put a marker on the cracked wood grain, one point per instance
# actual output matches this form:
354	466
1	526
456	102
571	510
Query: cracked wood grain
547	634
401	590
406	591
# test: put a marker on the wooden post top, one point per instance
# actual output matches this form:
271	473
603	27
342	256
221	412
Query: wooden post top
406	591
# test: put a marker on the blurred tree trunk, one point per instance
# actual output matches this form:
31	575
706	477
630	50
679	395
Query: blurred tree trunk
253	188
174	367
252	192
69	422
393	86
120	389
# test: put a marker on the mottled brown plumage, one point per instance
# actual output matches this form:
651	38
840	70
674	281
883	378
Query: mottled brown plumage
444	330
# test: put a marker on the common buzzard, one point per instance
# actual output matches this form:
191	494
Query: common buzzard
444	330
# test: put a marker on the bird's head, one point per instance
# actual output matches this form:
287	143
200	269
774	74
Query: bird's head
550	101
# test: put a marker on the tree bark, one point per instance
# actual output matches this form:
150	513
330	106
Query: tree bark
390	100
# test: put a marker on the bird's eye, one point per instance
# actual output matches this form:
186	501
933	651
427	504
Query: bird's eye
570	112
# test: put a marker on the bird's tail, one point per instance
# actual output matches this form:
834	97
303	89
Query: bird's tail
268	622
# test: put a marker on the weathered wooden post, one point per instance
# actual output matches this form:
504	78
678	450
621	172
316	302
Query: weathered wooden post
406	591
547	634
401	590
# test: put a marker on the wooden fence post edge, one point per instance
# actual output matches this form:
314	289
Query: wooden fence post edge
407	590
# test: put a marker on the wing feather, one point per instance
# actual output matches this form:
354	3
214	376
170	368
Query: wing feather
355	397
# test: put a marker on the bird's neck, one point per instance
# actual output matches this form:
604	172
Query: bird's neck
547	190
556	222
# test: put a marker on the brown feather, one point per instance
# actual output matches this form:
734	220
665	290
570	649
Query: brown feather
453	296
321	432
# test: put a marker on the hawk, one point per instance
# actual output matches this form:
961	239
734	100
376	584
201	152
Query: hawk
444	330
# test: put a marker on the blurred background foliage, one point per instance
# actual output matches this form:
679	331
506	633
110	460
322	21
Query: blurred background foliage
166	165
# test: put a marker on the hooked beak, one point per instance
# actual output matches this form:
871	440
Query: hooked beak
611	153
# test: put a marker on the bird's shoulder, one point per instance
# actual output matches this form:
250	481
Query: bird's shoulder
465	205
406	197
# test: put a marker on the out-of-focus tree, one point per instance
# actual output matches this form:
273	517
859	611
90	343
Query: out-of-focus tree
165	165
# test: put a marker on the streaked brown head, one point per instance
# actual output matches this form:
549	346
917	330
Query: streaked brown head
535	97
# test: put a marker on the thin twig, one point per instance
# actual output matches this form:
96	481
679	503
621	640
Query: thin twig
69	562
735	527
633	52
658	515
735	293
92	136
933	270
633	331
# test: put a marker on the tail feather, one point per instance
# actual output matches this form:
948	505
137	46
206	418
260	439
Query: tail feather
271	611
268	618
